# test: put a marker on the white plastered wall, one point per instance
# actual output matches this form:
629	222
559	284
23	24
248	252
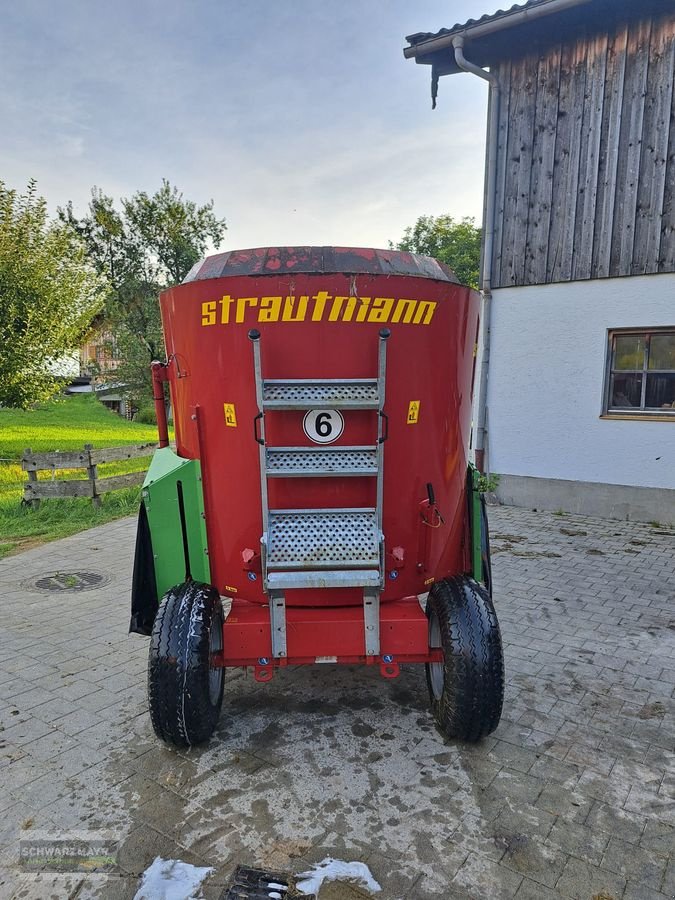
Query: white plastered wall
547	366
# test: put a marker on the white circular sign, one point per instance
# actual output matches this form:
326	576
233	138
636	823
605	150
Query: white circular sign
323	426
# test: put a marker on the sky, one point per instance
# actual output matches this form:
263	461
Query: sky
301	120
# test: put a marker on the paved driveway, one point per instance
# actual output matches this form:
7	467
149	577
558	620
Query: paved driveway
573	796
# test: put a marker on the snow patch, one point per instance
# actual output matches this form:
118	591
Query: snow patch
336	870
171	879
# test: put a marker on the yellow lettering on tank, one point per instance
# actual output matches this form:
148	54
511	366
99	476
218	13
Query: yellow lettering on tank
270	309
404	308
293	312
336	313
242	303
209	312
320	299
225	304
380	309
363	309
424	312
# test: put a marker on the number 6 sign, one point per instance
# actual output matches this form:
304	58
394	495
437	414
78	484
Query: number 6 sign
323	426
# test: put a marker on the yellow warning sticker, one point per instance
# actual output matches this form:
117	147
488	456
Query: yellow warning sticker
413	412
230	415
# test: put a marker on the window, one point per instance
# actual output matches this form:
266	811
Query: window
641	373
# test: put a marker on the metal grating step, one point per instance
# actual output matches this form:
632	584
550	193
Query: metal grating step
323	539
344	578
354	393
308	462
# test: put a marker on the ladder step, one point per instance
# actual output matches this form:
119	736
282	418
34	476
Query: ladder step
320	462
344	578
323	539
300	393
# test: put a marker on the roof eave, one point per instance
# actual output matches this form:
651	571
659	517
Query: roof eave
511	19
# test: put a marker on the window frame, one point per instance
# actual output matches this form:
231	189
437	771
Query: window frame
634	412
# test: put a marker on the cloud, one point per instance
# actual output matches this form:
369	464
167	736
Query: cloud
302	120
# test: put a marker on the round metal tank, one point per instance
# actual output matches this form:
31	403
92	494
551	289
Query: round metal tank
320	313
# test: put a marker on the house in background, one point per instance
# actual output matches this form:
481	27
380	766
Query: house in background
577	403
96	363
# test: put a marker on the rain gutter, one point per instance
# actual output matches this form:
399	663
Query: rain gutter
482	29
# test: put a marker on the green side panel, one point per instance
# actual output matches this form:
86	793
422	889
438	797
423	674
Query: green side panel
476	524
160	494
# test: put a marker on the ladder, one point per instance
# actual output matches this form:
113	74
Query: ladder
322	548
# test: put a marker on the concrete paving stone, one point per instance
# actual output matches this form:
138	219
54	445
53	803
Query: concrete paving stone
602	763
25	730
485	879
580	880
648	804
50	746
535	822
43	885
74	761
41	791
579	840
635	863
516	786
78	720
537	859
517	758
532	890
54	709
636	891
626	826
550	769
558	800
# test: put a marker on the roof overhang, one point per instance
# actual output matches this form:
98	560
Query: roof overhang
506	33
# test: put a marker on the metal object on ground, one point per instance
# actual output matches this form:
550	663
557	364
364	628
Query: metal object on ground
257	884
70	581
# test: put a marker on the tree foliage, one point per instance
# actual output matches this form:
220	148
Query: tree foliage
151	244
49	293
457	244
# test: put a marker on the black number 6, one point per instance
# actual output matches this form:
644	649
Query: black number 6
323	425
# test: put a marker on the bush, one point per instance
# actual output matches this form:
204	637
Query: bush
146	416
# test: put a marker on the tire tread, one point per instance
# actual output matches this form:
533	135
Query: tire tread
471	703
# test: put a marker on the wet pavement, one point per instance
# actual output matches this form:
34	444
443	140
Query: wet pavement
572	796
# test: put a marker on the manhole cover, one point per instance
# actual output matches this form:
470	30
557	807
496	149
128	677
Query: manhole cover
70	581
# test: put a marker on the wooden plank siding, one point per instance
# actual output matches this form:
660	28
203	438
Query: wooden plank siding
586	157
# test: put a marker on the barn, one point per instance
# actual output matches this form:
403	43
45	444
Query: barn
576	409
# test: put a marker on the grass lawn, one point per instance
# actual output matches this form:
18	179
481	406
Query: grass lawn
65	424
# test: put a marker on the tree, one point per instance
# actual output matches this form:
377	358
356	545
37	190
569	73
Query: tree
148	246
457	244
49	293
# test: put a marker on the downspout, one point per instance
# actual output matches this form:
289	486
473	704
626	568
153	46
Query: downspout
488	243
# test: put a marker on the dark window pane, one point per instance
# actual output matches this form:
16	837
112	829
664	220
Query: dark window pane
629	351
625	391
660	392
662	351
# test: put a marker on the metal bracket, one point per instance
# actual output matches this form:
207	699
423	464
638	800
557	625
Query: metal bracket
278	623
371	620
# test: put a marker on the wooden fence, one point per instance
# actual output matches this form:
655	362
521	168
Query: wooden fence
93	487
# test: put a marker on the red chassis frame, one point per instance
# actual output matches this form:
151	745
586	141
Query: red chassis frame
314	633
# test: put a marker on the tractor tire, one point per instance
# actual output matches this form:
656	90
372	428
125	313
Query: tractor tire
185	693
467	688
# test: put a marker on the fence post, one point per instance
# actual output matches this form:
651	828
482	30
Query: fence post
32	476
91	474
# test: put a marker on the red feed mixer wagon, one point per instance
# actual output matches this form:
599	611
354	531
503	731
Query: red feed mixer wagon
320	484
